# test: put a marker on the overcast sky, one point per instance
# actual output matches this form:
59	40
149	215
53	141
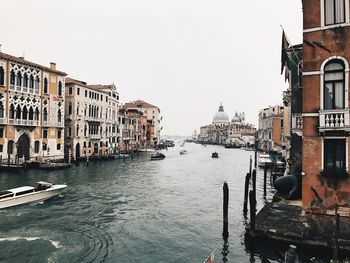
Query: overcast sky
185	56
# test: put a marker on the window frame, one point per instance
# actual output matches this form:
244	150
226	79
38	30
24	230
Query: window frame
334	13
335	172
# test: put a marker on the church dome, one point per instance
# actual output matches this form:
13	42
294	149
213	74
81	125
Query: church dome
221	117
236	118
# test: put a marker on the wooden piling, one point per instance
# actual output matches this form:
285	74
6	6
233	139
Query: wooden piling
254	183
225	210
252	204
250	164
246	188
336	235
265	177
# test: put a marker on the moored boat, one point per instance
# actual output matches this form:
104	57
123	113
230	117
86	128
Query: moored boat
157	156
264	160
215	155
182	152
29	194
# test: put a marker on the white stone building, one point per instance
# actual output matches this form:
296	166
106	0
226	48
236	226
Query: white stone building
91	115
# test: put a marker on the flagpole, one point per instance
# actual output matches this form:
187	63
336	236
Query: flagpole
206	260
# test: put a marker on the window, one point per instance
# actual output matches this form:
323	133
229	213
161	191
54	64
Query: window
334	11
60	88
45	133
45	85
25	80
334	92
58	146
334	157
59	133
44	146
45	114
12	77
78	91
84	144
2	76
36	146
1	110
19	79
1	132
1	148
69	131
70	90
86	93
70	108
77	129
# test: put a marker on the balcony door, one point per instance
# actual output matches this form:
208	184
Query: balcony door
334	85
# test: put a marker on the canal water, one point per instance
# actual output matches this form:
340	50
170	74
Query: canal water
133	210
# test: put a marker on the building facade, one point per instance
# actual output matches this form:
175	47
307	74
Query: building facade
32	100
91	115
152	113
326	116
270	133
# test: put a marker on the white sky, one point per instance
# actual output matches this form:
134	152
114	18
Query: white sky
185	56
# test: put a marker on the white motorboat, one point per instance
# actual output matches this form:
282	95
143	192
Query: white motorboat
182	152
29	194
264	160
146	150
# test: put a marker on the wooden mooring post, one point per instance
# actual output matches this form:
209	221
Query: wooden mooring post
265	177
254	182
336	235
252	204
250	164
246	188
225	210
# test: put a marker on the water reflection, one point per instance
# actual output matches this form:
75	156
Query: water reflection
135	211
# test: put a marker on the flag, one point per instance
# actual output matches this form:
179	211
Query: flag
210	259
285	45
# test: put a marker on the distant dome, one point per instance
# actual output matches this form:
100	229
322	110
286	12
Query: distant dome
236	118
221	117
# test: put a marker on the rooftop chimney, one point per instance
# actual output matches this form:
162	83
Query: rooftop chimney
53	65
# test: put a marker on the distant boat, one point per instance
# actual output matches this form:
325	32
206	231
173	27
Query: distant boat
232	145
215	155
182	152
146	150
157	156
264	160
28	194
53	166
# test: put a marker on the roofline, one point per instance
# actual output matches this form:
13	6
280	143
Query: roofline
28	63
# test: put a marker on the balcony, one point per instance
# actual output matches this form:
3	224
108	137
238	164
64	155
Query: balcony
297	123
334	120
20	122
3	121
53	124
95	136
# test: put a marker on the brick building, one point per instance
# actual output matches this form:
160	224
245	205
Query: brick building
326	118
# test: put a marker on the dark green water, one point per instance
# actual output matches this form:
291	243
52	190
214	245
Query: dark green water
132	211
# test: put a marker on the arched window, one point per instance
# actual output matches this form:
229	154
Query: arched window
85	129
25	80
334	85
18	112
12	77
19	79
2	76
10	145
31	113
45	114
36	85
24	113
59	88
77	129
31	82
12	111
45	85
36	114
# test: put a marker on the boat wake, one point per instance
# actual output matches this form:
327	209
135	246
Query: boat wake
56	244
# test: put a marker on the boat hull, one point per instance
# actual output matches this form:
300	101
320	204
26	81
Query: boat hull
32	197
